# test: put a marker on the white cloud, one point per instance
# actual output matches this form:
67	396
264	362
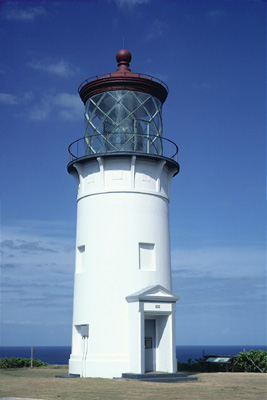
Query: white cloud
21	228
156	29
130	3
60	68
70	105
11	99
220	287
215	14
202	85
28	96
27	244
161	77
44	265
41	111
8	98
211	15
36	322
25	14
65	105
220	262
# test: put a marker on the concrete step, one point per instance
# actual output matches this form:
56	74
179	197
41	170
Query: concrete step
169	380
159	377
67	376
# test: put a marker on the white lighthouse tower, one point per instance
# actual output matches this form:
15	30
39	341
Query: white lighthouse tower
124	308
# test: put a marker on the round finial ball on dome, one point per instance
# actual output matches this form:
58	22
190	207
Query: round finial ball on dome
123	55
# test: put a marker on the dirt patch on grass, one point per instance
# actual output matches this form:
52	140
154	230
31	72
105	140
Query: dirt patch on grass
40	383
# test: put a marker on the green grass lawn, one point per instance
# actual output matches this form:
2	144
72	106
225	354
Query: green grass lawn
40	383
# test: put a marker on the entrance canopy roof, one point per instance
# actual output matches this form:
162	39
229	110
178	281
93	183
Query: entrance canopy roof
153	293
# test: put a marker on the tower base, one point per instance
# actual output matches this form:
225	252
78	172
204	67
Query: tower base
101	368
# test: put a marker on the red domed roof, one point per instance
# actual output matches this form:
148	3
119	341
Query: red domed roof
123	79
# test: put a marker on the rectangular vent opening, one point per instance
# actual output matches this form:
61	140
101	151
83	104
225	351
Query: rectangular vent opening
147	256
80	258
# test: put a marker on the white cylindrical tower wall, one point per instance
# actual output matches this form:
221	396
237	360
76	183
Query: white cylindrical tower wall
122	246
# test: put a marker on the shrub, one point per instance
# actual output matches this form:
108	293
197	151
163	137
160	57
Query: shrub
14	362
251	361
248	361
192	366
199	366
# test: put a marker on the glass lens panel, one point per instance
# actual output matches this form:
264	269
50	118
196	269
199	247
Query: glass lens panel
123	121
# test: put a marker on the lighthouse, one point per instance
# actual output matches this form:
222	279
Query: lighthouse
123	306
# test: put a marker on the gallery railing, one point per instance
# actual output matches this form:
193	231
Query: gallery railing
122	142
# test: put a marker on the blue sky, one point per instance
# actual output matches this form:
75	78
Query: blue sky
212	57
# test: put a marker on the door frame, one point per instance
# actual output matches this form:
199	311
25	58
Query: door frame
153	302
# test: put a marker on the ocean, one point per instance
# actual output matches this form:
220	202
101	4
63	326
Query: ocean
60	354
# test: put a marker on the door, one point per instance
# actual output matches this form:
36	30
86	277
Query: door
150	361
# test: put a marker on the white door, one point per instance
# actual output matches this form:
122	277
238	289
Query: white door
150	328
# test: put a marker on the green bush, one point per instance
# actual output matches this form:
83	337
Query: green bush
251	361
191	366
247	361
20	362
199	366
